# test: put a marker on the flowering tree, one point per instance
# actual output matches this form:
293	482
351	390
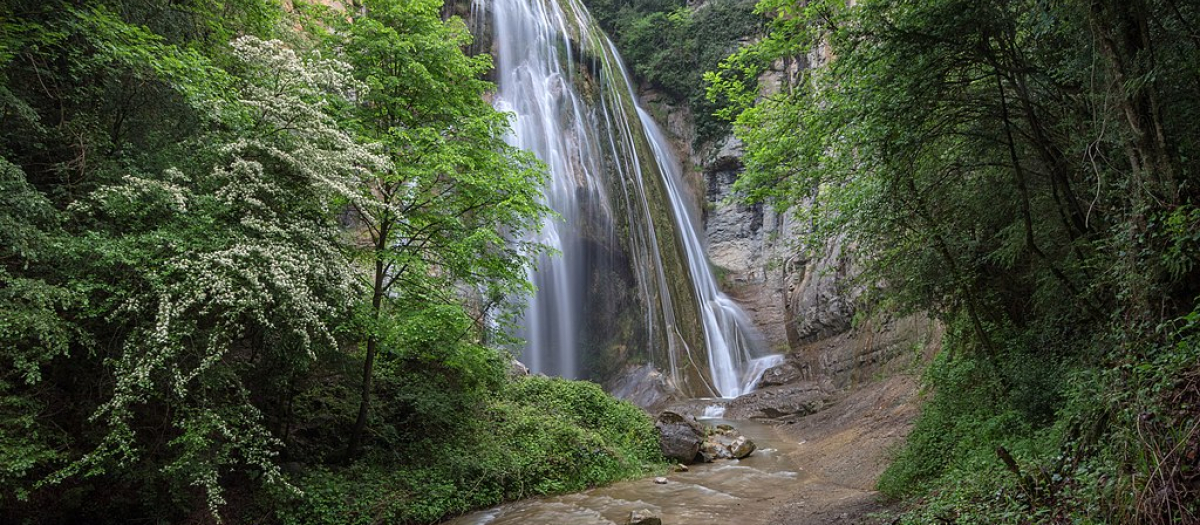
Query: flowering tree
235	261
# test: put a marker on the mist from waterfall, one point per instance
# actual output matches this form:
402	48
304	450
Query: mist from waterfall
574	107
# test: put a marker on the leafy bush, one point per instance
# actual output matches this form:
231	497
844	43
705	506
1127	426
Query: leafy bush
959	428
537	436
1120	446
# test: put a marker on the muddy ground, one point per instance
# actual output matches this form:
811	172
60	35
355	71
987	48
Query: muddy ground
843	450
847	445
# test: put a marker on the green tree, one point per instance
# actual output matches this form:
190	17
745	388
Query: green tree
196	178
669	45
33	331
227	266
447	217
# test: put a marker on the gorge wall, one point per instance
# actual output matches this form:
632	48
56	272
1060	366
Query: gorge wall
802	296
799	295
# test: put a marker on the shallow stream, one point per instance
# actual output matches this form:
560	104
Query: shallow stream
722	492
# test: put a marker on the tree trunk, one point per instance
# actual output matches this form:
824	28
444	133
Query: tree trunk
364	403
1019	179
1122	32
1124	38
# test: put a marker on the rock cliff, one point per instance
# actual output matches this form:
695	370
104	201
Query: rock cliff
802	294
796	293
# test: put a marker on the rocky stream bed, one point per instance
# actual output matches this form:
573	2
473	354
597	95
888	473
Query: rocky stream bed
723	491
804	470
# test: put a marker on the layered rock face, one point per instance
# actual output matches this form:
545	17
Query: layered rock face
796	293
802	294
753	246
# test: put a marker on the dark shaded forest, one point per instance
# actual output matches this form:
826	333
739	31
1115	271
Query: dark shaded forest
1025	171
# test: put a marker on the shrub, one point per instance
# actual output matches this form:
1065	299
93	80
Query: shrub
536	436
1119	444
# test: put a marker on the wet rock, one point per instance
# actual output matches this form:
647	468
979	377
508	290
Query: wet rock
679	436
713	450
725	442
786	372
681	468
660	481
742	447
517	369
644	517
644	386
796	399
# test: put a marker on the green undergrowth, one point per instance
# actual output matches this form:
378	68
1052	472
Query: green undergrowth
537	436
1116	442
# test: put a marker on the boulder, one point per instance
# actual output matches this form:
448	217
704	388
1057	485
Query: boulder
725	443
714	450
644	386
790	400
644	517
517	369
679	436
786	372
742	447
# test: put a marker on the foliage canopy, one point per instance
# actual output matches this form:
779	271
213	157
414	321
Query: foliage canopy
225	227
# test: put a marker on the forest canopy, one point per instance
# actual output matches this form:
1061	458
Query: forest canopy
256	263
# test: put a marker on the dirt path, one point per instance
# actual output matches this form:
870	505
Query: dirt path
843	450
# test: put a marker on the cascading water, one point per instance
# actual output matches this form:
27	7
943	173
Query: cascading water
622	223
728	331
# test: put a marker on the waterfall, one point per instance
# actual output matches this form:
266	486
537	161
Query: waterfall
728	332
630	278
